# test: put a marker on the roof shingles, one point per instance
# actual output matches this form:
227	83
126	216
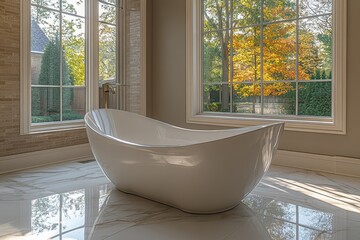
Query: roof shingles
38	38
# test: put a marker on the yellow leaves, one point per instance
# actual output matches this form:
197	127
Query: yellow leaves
269	89
75	58
272	60
247	90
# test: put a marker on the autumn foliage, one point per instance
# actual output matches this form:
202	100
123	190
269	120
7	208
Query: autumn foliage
263	54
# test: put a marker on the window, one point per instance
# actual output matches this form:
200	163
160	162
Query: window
68	47
257	61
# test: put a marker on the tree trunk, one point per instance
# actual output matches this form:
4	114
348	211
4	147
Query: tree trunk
225	41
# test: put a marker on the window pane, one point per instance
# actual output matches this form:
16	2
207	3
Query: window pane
48	22
107	52
246	54
280	98
45	47
76	7
216	58
315	48
315	98
216	14
74	103
107	13
275	10
45	104
280	51
47	3
216	98
74	50
247	98
246	12
315	7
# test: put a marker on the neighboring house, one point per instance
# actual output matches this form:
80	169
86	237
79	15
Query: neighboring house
38	44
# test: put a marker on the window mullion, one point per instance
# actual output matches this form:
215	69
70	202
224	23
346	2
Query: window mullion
202	35
297	61
61	60
231	56
261	57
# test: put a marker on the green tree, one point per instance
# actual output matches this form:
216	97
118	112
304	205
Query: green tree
46	101
217	17
107	41
73	42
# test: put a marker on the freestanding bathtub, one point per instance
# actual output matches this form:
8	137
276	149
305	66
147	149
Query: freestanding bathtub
193	170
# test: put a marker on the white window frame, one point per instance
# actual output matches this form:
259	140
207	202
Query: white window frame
194	113
91	74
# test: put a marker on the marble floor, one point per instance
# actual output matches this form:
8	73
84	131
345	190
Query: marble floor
75	201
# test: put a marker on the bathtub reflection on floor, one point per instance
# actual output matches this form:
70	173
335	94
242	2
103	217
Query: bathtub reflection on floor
138	218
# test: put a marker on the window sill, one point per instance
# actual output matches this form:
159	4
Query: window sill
324	125
37	128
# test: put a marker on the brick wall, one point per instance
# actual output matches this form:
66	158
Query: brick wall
11	142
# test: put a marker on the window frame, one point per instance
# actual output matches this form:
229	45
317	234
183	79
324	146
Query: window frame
91	49
194	113
92	59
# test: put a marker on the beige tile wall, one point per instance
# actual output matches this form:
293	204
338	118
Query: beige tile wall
11	142
133	55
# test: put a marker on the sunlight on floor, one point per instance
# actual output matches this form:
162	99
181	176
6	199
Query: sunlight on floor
346	201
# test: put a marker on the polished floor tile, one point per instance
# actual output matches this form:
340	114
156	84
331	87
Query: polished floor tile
75	201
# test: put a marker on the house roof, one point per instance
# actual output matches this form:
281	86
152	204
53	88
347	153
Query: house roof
38	38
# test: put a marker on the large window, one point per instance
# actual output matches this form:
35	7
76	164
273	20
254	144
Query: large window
57	60
254	61
68	47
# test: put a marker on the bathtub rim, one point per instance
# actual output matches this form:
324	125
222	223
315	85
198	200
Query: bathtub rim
148	146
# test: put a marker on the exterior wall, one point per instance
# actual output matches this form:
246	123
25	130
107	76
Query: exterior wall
169	45
11	142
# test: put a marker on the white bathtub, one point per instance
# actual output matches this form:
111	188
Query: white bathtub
193	170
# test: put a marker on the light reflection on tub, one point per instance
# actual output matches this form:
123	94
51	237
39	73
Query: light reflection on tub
193	170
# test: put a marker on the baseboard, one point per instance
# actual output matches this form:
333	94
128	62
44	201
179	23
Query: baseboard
322	163
40	158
